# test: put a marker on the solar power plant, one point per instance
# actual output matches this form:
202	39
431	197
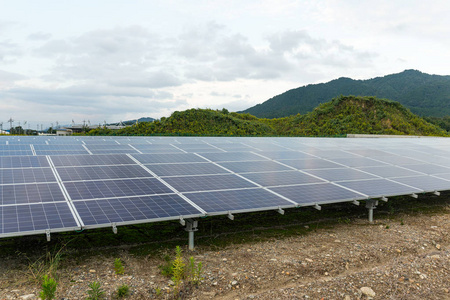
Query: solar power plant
52	184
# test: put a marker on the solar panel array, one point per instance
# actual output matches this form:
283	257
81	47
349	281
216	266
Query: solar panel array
51	184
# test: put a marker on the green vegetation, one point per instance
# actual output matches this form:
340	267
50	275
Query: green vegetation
118	266
423	94
341	116
123	291
95	292
48	288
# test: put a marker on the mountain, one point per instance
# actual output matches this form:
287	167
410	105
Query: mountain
131	122
423	94
342	115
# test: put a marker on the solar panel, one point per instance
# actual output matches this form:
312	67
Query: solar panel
135	209
376	188
248	166
23	162
168	158
426	183
29	175
306	164
101	172
15	153
222	202
23	219
281	178
358	162
61	152
280	155
91	160
428	168
82	190
232	156
208	183
186	169
340	174
398	160
30	193
317	193
389	171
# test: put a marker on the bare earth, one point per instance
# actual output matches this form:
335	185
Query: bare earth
349	261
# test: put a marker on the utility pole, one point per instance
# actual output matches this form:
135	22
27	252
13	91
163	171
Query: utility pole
10	123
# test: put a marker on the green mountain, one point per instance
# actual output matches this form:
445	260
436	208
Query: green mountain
423	94
342	115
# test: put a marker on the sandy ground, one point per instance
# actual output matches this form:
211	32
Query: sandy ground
404	258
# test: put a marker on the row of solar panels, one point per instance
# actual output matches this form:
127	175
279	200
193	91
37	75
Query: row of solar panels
60	193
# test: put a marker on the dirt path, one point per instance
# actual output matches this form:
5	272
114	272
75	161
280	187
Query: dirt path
405	258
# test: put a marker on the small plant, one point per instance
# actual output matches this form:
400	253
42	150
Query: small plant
95	292
48	288
118	266
123	291
387	227
167	267
401	222
195	271
158	291
178	271
45	265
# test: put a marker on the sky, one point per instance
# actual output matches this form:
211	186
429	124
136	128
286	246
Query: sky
108	60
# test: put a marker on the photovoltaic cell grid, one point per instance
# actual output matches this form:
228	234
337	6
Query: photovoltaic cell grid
112	185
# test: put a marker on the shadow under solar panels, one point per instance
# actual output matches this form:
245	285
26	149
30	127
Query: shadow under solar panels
32	218
222	202
134	210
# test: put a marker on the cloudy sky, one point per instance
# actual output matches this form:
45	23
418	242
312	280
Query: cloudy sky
109	60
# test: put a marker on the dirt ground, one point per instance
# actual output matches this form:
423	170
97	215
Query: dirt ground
403	258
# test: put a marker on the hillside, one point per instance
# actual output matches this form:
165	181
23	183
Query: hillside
423	94
342	115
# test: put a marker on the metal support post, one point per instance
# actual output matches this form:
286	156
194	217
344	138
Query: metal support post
191	227
371	205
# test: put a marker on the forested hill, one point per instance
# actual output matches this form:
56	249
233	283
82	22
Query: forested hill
342	115
423	94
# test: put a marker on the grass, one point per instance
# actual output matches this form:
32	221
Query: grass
218	232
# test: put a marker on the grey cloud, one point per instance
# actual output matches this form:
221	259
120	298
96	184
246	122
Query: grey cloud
10	76
39	36
9	51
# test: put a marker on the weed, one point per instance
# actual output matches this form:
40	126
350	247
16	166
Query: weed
178	271
158	291
123	291
46	265
401	222
387	226
48	288
195	271
118	266
95	292
167	267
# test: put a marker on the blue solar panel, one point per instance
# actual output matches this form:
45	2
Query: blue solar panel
107	211
389	171
15	153
232	156
340	174
280	155
59	147
186	169
91	160
221	202
358	162
379	187
29	175
248	166
316	193
61	152
82	190
101	172
168	158
426	183
428	168
281	178
207	183
305	164
30	193
20	219
23	162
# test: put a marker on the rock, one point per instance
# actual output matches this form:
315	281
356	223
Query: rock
367	291
347	297
234	282
29	296
309	260
398	250
273	259
438	246
171	282
224	259
337	241
92	271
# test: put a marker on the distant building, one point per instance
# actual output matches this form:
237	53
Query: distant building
63	131
4	132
